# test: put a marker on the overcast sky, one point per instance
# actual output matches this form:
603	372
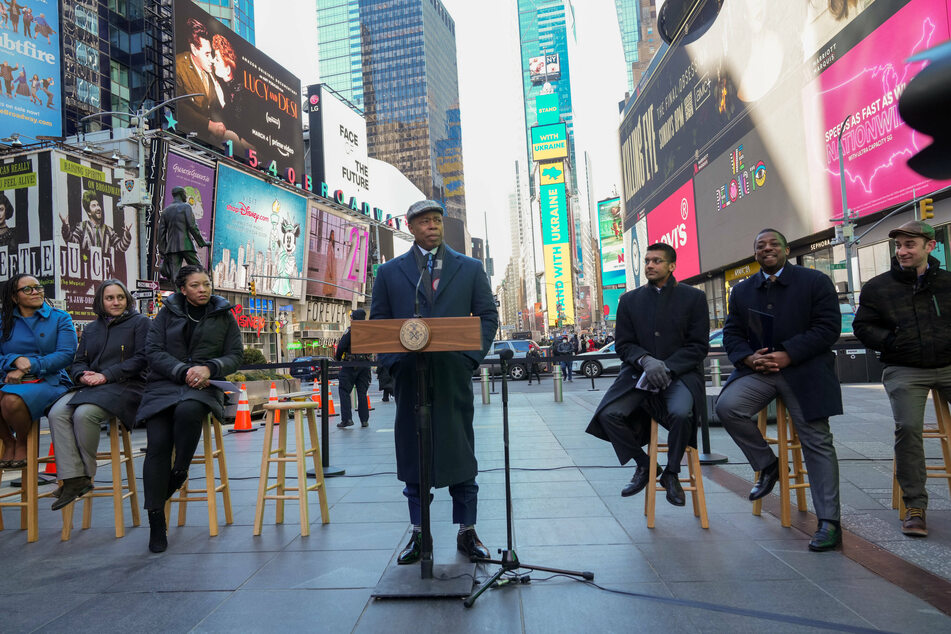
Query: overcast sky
490	93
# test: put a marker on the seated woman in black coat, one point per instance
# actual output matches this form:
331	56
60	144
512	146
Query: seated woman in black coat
109	370
193	340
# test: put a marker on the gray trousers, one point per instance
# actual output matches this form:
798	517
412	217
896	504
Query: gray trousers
907	390
739	403
75	431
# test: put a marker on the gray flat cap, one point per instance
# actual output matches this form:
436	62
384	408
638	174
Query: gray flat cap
423	206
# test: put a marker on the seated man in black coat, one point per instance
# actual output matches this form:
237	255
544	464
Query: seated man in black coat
663	332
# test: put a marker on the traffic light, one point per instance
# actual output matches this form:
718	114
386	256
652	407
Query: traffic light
926	206
252	288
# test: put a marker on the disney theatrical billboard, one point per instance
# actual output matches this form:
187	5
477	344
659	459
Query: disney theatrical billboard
247	105
259	236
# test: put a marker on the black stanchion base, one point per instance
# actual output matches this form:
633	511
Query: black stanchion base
329	472
449	581
40	481
244	431
712	458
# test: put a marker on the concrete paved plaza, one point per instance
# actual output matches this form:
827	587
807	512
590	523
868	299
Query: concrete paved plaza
744	573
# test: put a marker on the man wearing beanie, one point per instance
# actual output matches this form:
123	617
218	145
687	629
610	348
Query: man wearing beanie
351	376
905	313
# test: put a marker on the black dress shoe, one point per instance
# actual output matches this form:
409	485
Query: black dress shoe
767	480
675	492
411	553
468	543
345	423
828	537
638	482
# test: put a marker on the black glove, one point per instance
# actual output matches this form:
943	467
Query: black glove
656	372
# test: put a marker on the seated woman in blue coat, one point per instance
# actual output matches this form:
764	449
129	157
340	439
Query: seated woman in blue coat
193	340
109	371
37	342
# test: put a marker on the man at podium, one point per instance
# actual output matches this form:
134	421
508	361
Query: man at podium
432	280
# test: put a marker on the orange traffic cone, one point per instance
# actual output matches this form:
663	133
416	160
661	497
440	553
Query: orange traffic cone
272	398
330	400
242	420
369	406
51	465
315	393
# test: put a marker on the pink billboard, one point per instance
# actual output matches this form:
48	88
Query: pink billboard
866	83
674	222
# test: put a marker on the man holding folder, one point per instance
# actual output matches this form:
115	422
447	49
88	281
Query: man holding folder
779	334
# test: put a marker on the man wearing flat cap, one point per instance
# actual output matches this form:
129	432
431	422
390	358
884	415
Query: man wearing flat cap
441	283
178	235
906	314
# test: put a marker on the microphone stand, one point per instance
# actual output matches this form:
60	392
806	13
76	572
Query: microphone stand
509	561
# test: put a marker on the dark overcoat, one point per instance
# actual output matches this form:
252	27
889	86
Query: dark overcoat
672	326
177	229
216	342
807	322
116	349
463	290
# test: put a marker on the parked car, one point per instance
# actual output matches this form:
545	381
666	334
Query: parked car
518	366
596	367
308	368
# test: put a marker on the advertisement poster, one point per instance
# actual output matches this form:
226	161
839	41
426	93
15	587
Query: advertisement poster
611	239
97	238
259	235
199	183
556	246
27	236
339	255
339	142
674	222
29	69
544	68
864	85
611	296
243	98
636	240
549	142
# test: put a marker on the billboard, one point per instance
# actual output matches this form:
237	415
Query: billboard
635	238
246	102
611	296
339	255
551	173
544	68
29	67
338	137
547	109
549	142
674	222
556	245
611	239
259	235
864	85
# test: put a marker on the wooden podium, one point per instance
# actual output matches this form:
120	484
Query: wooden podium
443	334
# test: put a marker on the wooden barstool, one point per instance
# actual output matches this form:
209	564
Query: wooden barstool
29	486
693	482
789	479
941	431
213	449
117	456
296	411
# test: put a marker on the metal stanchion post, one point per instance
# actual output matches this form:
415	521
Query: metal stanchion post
705	456
486	399
328	470
556	379
593	388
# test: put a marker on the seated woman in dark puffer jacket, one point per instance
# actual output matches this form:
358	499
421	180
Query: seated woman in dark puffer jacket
193	340
109	372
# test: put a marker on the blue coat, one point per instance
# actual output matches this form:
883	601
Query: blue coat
806	325
463	290
49	342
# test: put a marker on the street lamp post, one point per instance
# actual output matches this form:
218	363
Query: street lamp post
140	116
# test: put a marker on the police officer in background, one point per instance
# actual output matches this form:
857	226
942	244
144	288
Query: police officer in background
353	376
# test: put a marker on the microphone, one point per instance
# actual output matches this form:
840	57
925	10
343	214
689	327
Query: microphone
506	354
429	267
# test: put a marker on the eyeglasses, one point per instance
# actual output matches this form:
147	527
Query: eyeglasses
31	290
654	260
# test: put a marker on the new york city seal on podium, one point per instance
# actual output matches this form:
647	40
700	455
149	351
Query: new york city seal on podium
414	334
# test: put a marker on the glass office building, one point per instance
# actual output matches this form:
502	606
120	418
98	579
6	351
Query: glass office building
396	60
236	14
338	38
543	29
627	20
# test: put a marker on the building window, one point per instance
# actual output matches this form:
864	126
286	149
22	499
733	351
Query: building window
88	20
88	92
87	56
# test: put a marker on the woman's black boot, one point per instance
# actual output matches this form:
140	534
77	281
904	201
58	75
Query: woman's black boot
158	541
175	481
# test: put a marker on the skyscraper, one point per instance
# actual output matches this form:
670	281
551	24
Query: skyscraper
544	30
403	75
338	37
638	22
236	14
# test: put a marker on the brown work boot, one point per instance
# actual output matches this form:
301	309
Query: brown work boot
914	524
